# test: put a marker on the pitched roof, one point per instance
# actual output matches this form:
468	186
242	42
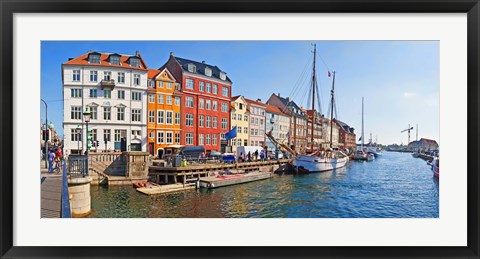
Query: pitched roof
276	110
288	103
82	60
200	68
254	102
345	126
152	73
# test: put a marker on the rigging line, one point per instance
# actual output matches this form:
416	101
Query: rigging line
318	97
301	88
323	61
309	95
302	74
300	82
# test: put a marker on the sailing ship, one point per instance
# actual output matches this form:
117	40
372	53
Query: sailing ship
319	161
360	155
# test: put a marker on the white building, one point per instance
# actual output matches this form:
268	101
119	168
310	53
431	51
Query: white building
279	123
114	87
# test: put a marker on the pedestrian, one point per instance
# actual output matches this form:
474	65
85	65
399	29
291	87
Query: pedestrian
51	158
256	155
262	155
240	158
249	156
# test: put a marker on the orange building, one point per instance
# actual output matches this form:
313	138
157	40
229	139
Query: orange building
163	113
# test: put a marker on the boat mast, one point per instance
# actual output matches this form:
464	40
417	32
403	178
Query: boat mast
362	124
331	112
313	92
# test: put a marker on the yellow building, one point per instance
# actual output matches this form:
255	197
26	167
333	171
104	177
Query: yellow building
239	117
163	117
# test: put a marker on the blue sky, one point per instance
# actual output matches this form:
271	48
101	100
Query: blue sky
398	79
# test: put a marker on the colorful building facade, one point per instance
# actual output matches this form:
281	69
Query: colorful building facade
279	123
206	97
240	118
164	112
257	122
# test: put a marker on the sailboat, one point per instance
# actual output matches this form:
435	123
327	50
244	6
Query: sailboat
373	149
321	161
360	154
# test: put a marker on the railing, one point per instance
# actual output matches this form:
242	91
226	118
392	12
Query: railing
77	166
65	209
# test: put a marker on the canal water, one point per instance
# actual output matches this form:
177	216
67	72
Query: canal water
395	185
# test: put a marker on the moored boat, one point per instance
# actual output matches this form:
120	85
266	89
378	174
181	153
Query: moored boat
360	156
370	157
315	163
436	167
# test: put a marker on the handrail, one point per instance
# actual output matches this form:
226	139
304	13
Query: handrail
65	209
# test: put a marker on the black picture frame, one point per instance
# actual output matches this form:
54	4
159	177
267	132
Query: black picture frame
10	7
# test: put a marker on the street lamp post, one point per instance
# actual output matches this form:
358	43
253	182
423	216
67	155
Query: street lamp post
46	127
87	114
79	131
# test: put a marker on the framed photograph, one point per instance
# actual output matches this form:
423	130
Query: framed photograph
241	129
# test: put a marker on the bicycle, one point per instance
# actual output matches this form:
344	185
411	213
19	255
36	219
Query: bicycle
58	167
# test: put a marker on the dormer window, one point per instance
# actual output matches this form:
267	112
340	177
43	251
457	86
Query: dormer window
208	71
94	59
114	59
134	62
223	76
192	68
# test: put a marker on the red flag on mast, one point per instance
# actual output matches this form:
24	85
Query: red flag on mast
328	73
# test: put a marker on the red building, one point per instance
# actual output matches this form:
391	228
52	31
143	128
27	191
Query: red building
205	103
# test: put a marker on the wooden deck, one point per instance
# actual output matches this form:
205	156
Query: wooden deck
51	196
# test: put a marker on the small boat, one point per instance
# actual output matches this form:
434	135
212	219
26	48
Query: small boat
360	156
370	157
436	167
316	162
144	185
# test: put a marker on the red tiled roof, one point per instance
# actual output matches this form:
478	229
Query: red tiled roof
276	110
152	73
82	60
234	98
255	102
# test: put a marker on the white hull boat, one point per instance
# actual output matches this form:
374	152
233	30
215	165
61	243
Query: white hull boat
314	164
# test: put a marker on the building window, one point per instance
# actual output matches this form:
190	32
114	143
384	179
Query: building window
245	117
136	133
209	88
107	113
223	76
169	85
76	75
215	89
76	136
208	121
224	91
114	60
93	93
177	118
136	114
215	106
160	117
177	138
169	99
207	142
189	138
76	112
214	122
160	84
93	76
192	68
118	134
160	137
224	123
107	94
189	119
106	135
245	131
121	94
76	92
136	79
189	84
202	87
136	96
169	117
94	134
94	59
224	107
201	121
189	101
94	111
201	103
234	116
160	98
214	139
177	101
120	113
200	139
121	77
169	137
151	116
261	122
208	104
239	129
252	132
107	75
151	98
134	62
208	71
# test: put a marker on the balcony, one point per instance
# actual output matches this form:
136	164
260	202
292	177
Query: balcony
107	84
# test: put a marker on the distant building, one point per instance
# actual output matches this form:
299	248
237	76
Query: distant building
423	145
298	121
279	123
318	136
114	87
240	118
346	135
257	122
332	134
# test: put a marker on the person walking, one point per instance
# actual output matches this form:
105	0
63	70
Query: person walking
51	158
256	155
249	156
262	155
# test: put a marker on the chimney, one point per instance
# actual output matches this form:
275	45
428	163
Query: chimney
171	54
137	53
288	99
278	94
70	59
259	100
203	61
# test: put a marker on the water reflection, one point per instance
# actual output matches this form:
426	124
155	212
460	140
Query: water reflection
395	185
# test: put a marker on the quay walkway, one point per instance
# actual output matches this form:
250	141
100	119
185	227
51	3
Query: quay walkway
51	195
